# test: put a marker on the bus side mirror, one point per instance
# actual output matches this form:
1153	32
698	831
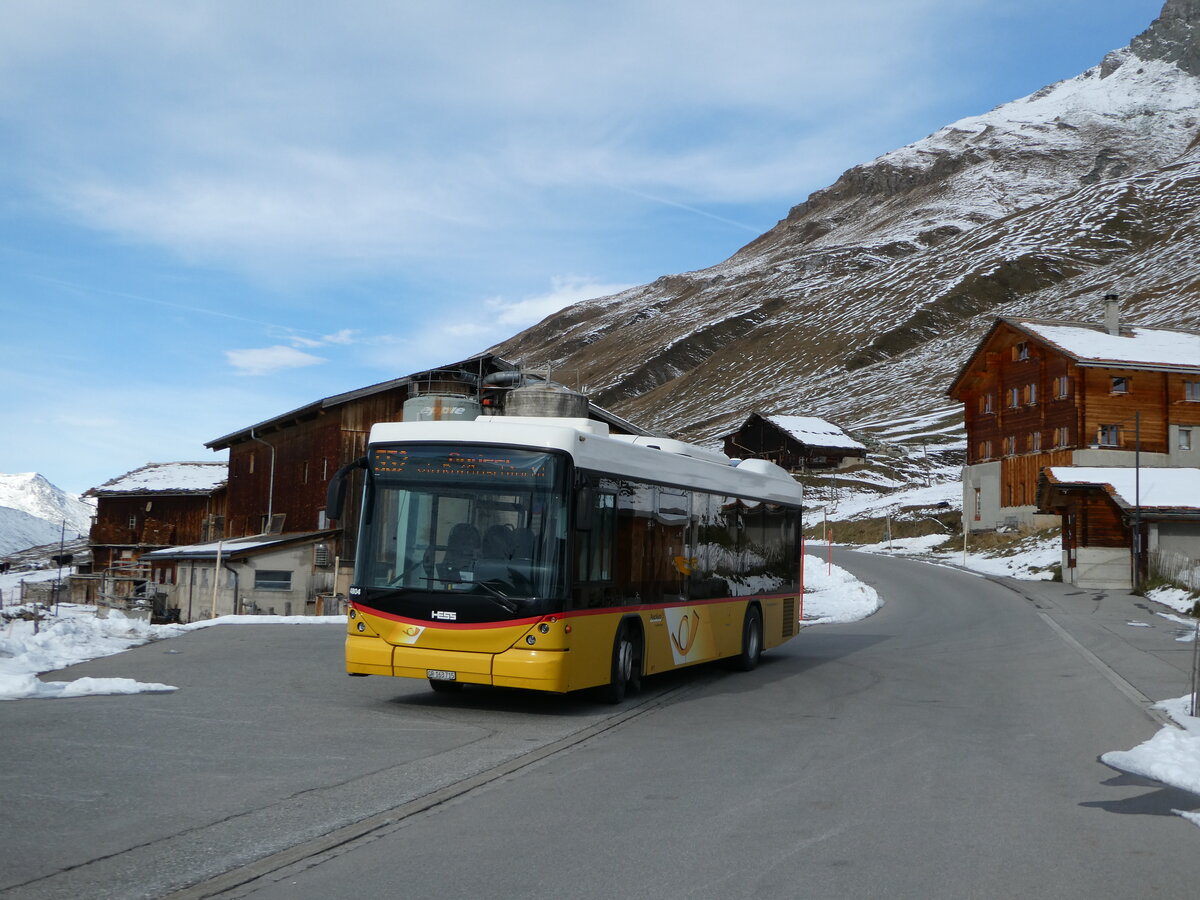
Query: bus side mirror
335	495
585	507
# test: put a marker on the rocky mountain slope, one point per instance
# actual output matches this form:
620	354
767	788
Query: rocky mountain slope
867	297
32	512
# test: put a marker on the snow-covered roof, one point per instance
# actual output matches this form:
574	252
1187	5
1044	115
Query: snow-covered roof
166	478
1134	347
236	547
1157	488
815	432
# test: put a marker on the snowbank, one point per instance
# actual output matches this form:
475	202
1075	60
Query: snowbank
1172	756
832	595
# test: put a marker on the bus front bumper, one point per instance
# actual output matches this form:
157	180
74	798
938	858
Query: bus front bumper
542	670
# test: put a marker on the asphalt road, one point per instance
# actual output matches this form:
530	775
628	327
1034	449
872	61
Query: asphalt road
944	747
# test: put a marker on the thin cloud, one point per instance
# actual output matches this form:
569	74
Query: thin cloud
671	102
268	360
564	292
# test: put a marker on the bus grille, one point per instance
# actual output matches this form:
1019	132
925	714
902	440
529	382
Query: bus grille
789	617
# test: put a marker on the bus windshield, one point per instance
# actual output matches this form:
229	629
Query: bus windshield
482	526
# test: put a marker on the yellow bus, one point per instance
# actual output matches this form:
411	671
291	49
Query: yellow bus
547	553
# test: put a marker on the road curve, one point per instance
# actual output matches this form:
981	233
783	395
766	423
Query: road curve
944	747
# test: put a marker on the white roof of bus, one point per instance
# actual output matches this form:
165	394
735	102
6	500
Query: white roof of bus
589	444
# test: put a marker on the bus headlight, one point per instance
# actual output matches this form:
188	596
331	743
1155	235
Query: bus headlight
362	626
544	628
530	640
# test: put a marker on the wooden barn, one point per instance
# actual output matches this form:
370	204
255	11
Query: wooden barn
1040	393
1115	521
158	505
797	443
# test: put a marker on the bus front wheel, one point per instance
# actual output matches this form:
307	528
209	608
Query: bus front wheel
625	675
751	641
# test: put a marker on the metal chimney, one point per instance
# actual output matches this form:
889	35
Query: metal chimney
1112	314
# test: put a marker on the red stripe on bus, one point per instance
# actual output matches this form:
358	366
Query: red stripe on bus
599	611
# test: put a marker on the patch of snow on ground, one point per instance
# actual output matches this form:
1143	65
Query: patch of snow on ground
76	635
833	595
1176	598
870	504
1187	633
1172	756
1031	560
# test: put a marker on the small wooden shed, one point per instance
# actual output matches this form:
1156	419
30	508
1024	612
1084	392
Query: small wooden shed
797	443
1116	517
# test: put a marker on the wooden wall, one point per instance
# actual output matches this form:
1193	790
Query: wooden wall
306	456
144	522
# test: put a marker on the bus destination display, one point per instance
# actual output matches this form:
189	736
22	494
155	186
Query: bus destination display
463	465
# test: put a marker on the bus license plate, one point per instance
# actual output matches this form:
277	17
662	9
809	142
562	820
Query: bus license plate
441	675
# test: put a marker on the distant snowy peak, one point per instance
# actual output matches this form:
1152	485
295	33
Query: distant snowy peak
30	493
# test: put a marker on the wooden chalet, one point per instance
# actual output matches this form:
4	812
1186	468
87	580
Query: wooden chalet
1116	521
797	443
158	505
1038	393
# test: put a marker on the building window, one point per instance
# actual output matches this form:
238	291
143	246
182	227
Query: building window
250	471
1185	439
1010	446
304	478
1021	351
978	504
1014	397
1120	385
1030	394
268	580
985	449
1191	391
1108	436
1062	387
1035	442
985	404
1062	437
133	523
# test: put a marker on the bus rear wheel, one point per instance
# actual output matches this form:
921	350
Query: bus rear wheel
752	642
625	675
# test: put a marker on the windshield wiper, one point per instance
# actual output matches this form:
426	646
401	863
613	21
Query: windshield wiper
499	597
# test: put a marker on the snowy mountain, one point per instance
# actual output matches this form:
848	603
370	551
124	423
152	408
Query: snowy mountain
868	296
32	512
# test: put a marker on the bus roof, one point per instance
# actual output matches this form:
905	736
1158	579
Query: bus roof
658	460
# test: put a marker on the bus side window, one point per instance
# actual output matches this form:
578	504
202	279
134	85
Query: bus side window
594	554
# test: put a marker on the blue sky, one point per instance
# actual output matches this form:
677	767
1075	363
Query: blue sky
214	212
